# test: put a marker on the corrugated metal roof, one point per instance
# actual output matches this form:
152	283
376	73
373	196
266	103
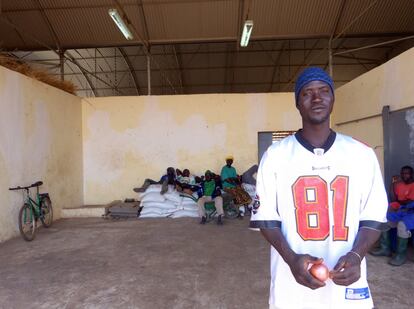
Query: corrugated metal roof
187	21
295	17
199	51
379	17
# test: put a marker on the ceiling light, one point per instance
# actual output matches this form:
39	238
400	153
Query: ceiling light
120	23
247	31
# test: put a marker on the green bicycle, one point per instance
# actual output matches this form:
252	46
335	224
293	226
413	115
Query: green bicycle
32	211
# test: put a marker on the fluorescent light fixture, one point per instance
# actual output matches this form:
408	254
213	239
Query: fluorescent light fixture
120	23
247	31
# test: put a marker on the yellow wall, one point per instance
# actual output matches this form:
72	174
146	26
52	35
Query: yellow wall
40	139
46	133
359	103
128	139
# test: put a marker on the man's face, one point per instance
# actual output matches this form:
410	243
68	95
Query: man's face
406	175
315	102
186	173
229	162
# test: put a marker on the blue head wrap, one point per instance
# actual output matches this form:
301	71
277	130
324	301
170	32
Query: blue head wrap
311	74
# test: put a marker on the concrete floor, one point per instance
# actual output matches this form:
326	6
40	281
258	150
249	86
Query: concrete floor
157	263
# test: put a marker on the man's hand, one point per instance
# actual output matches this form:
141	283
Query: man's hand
347	270
299	265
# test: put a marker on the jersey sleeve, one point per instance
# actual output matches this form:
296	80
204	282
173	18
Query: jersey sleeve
264	213
374	202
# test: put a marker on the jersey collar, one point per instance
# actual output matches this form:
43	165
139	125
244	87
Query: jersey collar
326	146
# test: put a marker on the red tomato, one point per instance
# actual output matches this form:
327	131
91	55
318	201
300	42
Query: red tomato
320	272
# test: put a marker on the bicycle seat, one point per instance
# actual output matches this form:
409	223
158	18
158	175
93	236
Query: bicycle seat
37	184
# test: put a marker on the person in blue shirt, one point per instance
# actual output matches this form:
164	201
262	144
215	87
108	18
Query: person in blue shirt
232	184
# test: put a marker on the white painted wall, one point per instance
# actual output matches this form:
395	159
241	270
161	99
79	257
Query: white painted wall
40	139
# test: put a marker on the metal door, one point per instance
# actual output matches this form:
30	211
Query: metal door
264	141
398	141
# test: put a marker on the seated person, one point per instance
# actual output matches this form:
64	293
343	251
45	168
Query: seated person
210	192
167	179
400	215
187	183
178	172
248	176
232	185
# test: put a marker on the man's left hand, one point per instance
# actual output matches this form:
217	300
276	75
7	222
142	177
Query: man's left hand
347	270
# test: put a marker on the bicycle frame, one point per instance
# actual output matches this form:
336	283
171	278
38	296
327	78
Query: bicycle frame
34	206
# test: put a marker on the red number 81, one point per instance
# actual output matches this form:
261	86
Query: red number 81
310	194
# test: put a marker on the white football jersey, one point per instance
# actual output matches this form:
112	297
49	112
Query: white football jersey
319	197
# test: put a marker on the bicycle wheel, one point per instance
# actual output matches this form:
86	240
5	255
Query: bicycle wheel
46	212
27	222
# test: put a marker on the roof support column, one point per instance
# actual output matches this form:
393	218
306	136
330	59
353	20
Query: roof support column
62	64
149	74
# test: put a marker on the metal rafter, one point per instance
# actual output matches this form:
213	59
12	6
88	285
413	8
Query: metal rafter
49	25
243	67
80	82
335	27
276	64
131	69
303	63
219	52
218	85
146	46
144	22
84	73
178	60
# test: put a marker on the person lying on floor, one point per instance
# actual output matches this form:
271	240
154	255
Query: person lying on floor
167	179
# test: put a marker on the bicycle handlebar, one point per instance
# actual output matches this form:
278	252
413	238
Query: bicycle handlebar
36	184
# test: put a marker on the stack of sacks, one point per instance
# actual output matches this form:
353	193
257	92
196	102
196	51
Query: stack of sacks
170	204
157	205
188	206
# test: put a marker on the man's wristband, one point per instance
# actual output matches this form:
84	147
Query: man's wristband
357	254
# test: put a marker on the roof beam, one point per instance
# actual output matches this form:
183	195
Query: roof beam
240	18
80	82
131	69
144	22
217	85
49	25
374	45
338	19
245	67
86	73
304	63
40	47
247	51
276	65
178	60
335	27
83	71
146	45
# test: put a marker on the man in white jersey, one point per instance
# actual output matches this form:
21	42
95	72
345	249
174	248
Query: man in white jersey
320	199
